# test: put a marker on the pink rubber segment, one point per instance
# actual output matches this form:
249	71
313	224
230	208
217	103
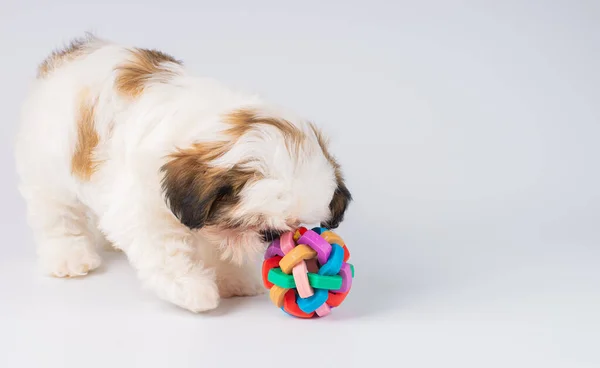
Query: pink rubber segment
301	279
346	274
286	242
274	250
323	310
314	240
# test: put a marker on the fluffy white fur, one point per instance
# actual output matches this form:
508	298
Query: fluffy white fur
123	203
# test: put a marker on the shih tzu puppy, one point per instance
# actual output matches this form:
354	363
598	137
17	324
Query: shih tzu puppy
120	146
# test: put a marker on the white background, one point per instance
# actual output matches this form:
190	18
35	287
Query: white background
468	132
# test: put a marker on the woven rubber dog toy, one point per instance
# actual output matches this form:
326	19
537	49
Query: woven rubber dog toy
307	272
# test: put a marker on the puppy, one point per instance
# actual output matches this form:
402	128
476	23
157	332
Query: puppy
120	146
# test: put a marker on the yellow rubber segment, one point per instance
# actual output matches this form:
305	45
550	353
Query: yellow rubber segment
333	238
277	294
300	253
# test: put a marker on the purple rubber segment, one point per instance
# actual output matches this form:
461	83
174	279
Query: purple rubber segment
346	274
320	245
274	250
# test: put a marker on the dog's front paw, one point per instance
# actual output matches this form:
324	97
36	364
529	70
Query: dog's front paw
229	289
69	257
239	281
194	291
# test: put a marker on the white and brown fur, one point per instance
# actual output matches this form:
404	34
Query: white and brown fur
120	146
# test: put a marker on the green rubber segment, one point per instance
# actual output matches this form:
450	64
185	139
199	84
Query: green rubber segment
324	282
277	277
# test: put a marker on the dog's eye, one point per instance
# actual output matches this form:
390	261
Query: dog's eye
269	235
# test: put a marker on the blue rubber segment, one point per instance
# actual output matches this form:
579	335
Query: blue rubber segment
334	264
310	304
319	230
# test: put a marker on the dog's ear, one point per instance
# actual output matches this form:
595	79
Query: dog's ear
341	197
199	195
338	205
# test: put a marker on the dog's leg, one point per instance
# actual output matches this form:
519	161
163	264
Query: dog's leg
99	238
237	259
239	280
163	254
64	244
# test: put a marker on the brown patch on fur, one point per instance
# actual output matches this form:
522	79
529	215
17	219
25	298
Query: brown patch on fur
324	144
199	194
243	120
144	65
75	49
83	164
341	197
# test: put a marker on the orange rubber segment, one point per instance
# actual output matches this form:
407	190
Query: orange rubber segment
290	306
277	294
333	238
267	265
299	232
346	254
335	299
298	254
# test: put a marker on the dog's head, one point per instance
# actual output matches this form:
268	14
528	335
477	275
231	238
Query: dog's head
264	176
